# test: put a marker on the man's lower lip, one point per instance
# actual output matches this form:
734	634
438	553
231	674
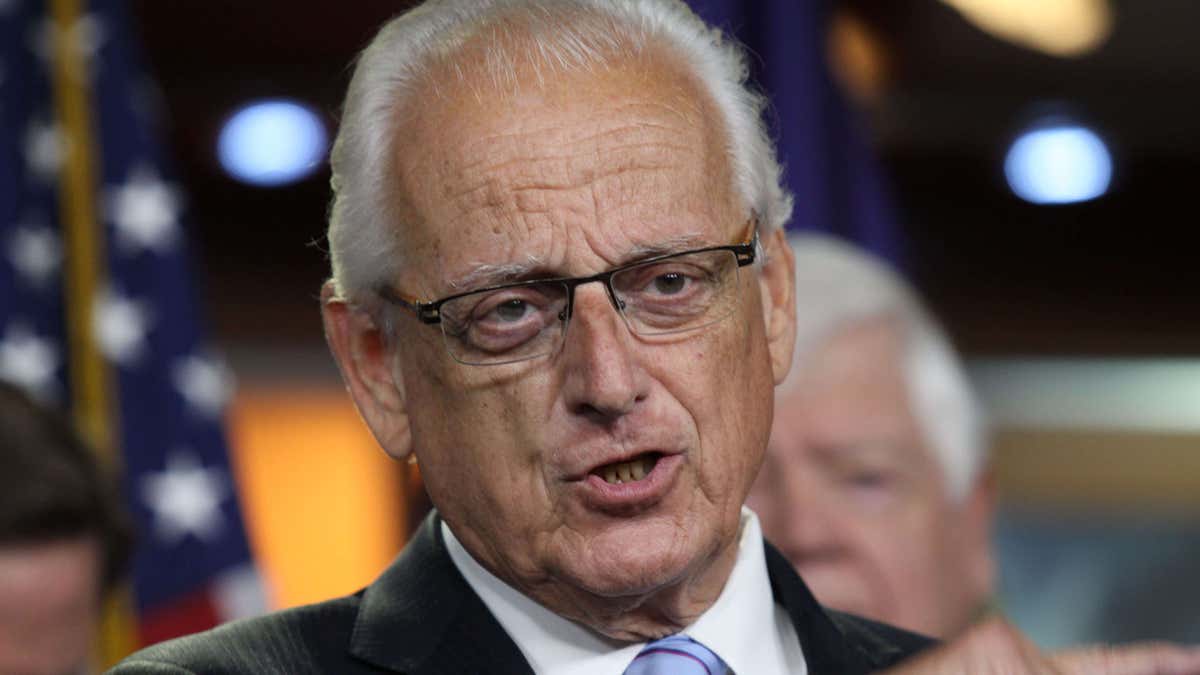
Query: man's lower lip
604	496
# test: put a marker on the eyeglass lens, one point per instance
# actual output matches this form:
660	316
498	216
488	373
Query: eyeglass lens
520	322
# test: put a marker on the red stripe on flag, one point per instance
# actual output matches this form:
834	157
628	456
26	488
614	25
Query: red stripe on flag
188	614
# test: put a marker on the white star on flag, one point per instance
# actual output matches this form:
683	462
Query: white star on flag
239	593
7	6
29	361
45	148
204	382
186	498
145	212
35	252
119	326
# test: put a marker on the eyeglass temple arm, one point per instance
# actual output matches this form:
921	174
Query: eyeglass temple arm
427	312
747	251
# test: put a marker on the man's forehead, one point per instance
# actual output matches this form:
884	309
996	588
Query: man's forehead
517	150
851	398
455	96
624	164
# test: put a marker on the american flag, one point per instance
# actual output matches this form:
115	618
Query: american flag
98	308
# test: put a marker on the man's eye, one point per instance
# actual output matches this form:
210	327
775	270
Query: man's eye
507	319
517	310
511	310
870	480
873	491
670	283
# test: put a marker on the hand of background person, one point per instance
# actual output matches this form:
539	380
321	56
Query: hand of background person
995	647
1144	658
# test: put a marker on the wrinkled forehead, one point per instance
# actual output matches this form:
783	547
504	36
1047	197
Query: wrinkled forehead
567	173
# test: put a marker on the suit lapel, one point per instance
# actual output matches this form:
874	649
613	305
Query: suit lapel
422	618
826	649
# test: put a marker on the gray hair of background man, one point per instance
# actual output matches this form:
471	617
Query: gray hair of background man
549	36
837	286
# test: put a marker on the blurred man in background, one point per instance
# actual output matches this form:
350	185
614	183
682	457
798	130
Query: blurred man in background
875	483
885	501
64	541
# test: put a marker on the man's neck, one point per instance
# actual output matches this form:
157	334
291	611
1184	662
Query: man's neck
640	617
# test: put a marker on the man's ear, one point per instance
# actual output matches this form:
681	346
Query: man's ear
778	282
979	511
366	362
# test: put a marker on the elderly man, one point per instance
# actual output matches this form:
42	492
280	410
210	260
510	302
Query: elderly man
64	541
875	484
560	281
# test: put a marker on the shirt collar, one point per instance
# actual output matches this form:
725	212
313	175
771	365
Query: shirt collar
743	627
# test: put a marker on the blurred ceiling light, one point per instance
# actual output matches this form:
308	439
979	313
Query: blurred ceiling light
1056	27
272	142
1058	164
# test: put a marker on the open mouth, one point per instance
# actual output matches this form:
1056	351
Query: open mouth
628	471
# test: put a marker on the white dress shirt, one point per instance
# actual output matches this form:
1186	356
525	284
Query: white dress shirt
751	634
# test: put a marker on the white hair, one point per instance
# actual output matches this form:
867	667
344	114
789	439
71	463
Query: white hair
839	286
548	35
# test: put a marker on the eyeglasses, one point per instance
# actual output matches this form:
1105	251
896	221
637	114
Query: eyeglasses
663	295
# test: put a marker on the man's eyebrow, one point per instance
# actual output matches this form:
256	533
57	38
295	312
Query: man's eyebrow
893	453
676	244
485	275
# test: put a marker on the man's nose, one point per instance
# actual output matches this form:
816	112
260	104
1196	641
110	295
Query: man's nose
602	378
812	529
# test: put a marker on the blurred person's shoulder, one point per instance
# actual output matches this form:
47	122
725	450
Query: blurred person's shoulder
311	638
886	645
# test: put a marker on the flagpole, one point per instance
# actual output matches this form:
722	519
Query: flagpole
83	237
93	406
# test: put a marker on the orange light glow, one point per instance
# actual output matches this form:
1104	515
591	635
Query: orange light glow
323	504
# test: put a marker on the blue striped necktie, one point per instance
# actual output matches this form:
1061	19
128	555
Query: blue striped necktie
676	655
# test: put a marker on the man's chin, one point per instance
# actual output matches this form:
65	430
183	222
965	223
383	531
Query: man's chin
628	569
634	593
633	566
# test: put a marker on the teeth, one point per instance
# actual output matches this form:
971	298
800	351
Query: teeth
627	472
637	469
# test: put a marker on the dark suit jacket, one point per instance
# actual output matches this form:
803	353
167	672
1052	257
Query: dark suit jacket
422	618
